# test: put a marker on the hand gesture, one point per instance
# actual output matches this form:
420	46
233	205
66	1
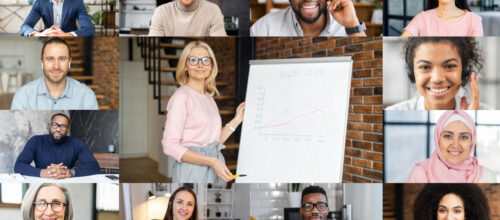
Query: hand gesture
57	32
344	13
221	170
240	112
474	89
56	171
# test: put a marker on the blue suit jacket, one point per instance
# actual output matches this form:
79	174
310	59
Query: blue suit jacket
72	10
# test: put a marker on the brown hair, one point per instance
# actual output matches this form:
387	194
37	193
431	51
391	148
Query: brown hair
56	40
170	215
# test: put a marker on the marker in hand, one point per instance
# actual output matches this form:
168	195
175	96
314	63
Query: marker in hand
240	175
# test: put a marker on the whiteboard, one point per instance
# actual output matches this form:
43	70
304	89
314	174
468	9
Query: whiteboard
295	120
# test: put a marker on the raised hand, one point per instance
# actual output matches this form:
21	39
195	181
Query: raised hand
474	89
344	13
240	111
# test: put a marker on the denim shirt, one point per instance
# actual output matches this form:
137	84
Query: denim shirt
35	96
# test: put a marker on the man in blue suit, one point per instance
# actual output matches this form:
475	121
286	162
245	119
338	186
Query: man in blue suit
59	18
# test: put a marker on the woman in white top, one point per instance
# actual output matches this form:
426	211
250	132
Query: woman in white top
440	67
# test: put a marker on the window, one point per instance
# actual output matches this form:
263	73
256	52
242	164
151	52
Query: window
107	197
398	13
12	193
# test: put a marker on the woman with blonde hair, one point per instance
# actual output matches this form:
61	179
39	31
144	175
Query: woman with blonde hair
47	201
193	135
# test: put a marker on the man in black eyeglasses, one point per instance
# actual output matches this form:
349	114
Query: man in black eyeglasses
314	203
55	154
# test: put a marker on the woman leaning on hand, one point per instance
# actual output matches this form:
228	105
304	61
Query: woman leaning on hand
442	69
193	135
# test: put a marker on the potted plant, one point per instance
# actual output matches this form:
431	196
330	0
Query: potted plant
112	4
218	213
377	12
294	195
109	16
217	197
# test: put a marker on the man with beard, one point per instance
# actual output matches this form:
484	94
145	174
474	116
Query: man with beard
55	154
311	18
55	90
314	203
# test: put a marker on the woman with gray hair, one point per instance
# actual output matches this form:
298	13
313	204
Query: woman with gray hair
47	200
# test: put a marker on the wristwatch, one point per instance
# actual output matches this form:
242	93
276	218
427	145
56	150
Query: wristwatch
354	30
72	172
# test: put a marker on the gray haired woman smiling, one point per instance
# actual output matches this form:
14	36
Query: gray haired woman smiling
47	201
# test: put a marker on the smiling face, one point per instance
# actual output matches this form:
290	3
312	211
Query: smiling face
455	142
438	69
186	2
314	214
183	206
50	194
199	71
451	207
58	133
308	11
55	60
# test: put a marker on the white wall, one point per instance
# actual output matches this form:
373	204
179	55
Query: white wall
365	198
141	127
26	50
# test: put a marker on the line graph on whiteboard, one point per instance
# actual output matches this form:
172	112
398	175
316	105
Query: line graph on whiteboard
295	117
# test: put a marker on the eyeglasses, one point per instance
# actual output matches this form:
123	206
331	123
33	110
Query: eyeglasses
55	205
204	60
308	206
54	125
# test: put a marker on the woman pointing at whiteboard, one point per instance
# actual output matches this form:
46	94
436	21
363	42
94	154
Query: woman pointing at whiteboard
193	135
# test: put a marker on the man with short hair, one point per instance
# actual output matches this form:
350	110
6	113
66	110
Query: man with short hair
311	18
55	154
55	90
314	203
59	18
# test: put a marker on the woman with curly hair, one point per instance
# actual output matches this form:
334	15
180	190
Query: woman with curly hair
451	201
445	18
440	67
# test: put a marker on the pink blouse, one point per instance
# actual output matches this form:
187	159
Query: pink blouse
427	23
193	119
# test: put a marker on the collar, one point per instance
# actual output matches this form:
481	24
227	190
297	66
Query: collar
42	88
54	2
326	30
190	8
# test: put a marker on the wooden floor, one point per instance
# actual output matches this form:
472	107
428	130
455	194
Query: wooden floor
140	170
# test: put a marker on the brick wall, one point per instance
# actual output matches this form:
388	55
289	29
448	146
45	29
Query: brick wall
363	152
105	68
411	191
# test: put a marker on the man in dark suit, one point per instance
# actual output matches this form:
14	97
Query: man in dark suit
59	18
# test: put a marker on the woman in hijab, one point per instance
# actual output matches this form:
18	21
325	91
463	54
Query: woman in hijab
452	160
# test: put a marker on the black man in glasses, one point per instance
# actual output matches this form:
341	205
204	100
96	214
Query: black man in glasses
314	203
55	154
